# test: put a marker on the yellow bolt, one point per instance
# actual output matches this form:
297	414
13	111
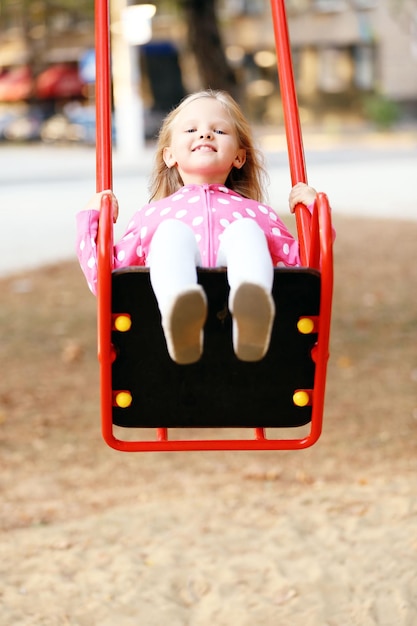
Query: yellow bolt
305	325
123	399
301	398
122	323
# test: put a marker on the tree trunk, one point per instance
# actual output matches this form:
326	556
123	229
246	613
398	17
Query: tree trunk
205	41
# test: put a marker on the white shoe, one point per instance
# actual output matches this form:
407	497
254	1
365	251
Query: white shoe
253	310
183	325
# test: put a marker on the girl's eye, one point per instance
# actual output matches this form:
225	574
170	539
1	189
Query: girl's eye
217	131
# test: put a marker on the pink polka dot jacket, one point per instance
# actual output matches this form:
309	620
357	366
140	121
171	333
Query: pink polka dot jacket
207	209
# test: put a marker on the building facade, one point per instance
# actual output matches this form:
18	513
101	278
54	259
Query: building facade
350	57
346	54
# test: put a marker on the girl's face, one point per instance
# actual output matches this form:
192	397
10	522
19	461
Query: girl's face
204	144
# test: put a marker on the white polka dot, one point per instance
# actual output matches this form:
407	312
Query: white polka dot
237	216
91	262
139	251
143	232
250	212
177	197
93	242
165	211
224	189
281	264
223	201
286	248
197	220
197	237
273	216
276	231
193	200
224	222
236	198
82	244
121	255
150	210
263	209
180	214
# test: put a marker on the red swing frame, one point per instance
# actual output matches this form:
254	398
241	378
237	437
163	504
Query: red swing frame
314	234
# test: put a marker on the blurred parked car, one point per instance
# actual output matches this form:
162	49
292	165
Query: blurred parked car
21	123
75	123
6	117
59	81
15	84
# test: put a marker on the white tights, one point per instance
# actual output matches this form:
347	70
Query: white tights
173	259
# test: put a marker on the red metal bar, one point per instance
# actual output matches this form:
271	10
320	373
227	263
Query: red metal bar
315	251
323	243
105	231
104	318
201	445
292	120
103	97
162	434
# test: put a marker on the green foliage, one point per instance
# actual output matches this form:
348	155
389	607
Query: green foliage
381	111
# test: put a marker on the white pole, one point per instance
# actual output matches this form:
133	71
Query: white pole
128	105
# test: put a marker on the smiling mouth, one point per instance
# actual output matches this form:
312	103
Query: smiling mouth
204	148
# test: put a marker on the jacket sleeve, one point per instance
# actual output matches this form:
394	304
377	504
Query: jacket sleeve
283	246
127	252
86	238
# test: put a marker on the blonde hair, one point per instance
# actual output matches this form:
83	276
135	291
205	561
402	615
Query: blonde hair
249	181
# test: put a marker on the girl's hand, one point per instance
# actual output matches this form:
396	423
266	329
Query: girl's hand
301	194
95	203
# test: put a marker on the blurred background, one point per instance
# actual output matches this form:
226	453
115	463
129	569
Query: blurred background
208	539
355	63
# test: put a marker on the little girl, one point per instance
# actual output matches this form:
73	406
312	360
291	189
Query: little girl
206	209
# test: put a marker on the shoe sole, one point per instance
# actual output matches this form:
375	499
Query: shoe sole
253	318
185	335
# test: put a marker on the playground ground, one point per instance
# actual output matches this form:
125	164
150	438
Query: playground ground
323	537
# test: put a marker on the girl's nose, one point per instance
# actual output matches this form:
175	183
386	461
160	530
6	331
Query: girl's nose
206	135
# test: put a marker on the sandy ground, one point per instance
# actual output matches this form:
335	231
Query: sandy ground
240	553
323	537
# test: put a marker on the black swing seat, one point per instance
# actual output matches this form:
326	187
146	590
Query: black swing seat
218	391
